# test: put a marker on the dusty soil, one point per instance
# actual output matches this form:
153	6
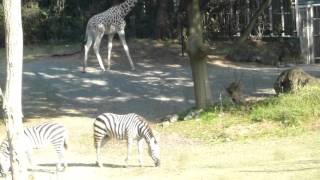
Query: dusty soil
181	158
56	90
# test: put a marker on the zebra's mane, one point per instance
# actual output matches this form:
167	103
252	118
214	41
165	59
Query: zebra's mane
149	130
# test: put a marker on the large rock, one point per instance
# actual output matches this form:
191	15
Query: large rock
234	91
293	79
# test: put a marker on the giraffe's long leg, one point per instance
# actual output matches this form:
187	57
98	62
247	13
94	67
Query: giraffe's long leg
96	48
126	49
86	50
110	38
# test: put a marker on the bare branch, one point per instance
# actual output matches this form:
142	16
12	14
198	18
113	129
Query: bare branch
1	95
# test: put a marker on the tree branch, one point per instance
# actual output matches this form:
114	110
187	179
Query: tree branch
254	18
1	95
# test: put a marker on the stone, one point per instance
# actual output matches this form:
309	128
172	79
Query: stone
292	79
193	114
234	91
174	118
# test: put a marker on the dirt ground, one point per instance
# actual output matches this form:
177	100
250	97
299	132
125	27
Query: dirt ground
280	158
55	90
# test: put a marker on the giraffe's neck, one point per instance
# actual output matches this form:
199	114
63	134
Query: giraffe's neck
127	6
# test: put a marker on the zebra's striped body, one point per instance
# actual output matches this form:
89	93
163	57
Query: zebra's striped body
128	127
38	137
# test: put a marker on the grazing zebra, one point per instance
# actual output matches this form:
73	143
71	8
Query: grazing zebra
37	137
130	127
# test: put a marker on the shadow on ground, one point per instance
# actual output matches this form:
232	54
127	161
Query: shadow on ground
162	83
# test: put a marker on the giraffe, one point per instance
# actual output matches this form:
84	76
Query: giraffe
109	22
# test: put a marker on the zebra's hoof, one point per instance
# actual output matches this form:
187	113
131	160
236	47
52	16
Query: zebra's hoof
61	169
99	164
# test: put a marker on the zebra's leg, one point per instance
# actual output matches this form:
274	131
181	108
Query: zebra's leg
28	154
86	51
60	149
98	144
140	149
65	147
126	49
98	162
110	38
129	144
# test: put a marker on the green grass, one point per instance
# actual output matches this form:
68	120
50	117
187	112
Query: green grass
285	115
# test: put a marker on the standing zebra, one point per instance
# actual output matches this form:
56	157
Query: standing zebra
130	127
37	137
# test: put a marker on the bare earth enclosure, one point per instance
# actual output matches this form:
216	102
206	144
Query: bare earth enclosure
55	89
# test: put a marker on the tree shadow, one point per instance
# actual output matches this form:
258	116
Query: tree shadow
161	85
313	165
93	165
280	170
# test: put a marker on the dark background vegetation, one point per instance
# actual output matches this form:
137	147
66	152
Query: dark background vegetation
65	20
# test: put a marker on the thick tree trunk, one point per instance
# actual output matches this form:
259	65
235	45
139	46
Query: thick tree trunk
197	54
161	26
253	21
12	97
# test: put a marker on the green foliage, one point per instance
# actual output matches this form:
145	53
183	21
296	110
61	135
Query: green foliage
41	25
285	115
289	109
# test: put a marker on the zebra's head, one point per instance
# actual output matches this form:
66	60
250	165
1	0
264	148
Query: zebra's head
4	165
4	158
154	151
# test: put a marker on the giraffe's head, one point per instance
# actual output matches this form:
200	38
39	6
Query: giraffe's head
154	151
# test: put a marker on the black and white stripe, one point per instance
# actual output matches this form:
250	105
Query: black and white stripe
38	137
128	127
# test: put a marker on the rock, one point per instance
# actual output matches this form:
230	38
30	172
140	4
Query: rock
293	79
234	91
174	118
171	118
165	124
194	114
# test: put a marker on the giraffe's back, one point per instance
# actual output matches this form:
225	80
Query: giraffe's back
109	21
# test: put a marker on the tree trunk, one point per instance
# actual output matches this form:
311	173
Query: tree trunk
253	21
197	55
161	26
12	97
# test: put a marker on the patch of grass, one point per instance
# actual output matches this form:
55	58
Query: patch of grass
285	115
289	109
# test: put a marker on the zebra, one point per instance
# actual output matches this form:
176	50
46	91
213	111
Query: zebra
38	137
129	127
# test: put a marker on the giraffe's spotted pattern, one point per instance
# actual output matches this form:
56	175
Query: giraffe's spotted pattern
111	20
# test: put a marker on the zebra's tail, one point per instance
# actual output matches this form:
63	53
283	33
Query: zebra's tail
65	144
